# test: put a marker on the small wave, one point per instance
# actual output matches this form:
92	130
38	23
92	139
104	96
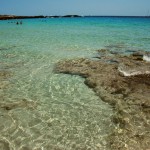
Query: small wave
132	73
146	58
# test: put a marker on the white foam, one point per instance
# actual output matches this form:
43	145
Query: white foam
146	58
132	73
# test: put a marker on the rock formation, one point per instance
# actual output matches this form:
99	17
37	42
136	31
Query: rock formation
124	82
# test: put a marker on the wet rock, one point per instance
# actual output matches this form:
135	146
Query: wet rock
138	56
128	94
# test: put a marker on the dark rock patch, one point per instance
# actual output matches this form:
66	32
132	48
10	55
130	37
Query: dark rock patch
4	145
4	74
18	104
7	48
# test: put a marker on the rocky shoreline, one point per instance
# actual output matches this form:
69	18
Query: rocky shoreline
123	81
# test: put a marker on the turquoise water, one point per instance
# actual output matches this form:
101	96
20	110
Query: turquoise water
57	111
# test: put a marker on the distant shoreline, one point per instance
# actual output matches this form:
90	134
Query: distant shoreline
8	17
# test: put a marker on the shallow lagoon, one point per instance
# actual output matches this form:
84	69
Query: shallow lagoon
43	110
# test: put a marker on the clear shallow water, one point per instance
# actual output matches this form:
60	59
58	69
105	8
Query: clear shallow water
56	111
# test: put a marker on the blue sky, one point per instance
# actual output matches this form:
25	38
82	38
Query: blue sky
80	7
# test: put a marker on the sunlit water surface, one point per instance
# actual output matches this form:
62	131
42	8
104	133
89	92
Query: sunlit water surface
42	110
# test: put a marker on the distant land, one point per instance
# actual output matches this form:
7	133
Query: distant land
8	17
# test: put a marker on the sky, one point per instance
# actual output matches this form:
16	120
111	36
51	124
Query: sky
78	7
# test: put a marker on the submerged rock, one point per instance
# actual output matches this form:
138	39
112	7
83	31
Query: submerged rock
18	104
7	48
5	74
117	46
4	145
128	94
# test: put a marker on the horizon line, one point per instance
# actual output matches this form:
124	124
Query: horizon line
80	15
8	17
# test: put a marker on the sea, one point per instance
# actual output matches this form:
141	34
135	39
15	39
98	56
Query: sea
44	110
